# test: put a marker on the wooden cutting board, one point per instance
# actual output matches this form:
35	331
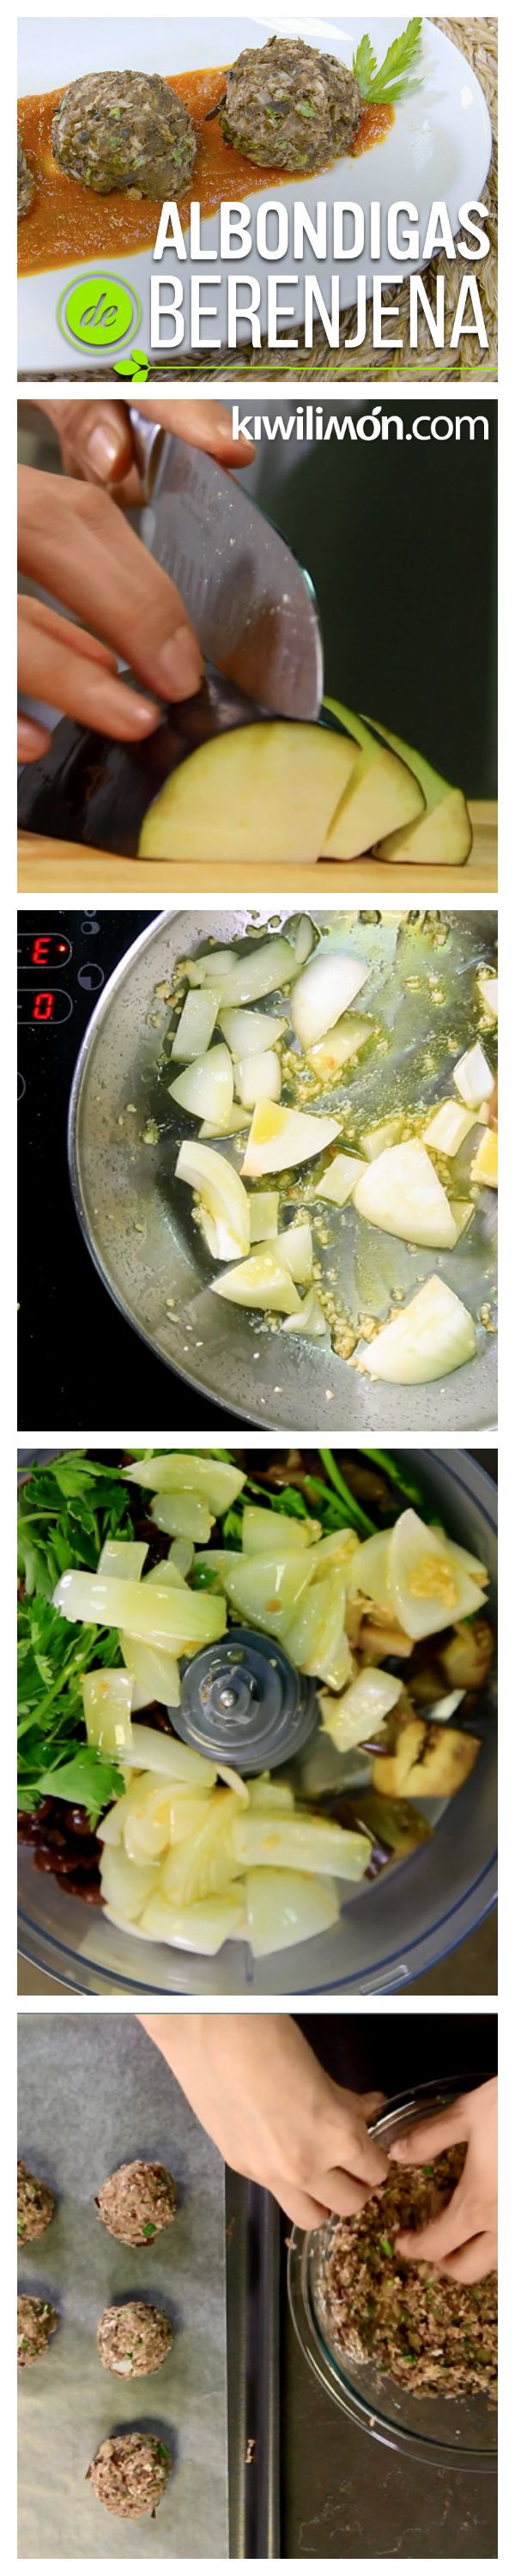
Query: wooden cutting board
64	869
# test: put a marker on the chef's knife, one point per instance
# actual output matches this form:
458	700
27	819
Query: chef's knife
252	606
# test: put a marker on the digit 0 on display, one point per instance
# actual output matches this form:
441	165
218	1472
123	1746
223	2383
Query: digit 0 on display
43	1007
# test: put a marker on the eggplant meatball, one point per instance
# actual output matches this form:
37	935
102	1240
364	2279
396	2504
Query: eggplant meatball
133	2340
25	184
36	2205
136	2202
129	2474
36	2322
124	130
289	106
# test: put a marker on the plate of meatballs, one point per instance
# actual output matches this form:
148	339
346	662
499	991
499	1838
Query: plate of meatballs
212	112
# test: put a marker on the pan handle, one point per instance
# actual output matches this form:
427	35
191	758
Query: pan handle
149	442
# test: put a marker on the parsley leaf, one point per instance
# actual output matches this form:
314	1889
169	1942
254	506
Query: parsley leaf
392	80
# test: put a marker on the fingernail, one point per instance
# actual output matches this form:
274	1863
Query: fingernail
102	448
143	715
180	665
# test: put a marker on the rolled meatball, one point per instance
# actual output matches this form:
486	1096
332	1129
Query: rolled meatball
37	2320
289	106
36	2205
133	2340
129	2474
124	130
136	2202
25	183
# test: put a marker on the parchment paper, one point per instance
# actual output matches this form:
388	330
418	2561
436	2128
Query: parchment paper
94	2092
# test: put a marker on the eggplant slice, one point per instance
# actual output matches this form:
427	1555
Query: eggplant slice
90	789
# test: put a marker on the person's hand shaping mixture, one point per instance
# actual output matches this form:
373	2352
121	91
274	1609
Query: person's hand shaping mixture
274	2115
74	543
462	2241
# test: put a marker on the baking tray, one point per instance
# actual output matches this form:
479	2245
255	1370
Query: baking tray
93	2092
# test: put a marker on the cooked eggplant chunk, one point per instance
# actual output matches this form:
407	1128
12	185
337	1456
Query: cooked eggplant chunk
25	184
127	131
290	107
428	1762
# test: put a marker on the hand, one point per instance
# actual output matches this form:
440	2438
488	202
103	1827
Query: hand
97	443
62	664
462	2241
76	546
275	2117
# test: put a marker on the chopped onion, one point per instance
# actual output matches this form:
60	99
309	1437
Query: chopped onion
259	971
299	1842
159	1614
305	939
258	1077
219	1187
430	1587
184	1516
206	1088
370	1571
295	1249
125	1883
362	1708
377	1138
181	1554
325	989
340	1046
202	1928
261	1281
315	1633
447	1127
206	1863
248	1032
285	1906
183	1471
195	1028
266	1590
155	1675
473	1077
279	1138
270	1796
311	1321
168	1572
432	1336
340	1180
484	1166
178	1763
211	969
234	1125
262	1528
264	1215
123	1556
401	1192
107	1699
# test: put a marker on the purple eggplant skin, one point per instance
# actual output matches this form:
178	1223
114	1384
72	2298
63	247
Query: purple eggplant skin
92	790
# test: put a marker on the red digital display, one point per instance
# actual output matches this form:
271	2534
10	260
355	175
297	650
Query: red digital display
42	1006
44	949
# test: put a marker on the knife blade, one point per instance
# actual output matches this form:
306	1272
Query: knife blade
252	605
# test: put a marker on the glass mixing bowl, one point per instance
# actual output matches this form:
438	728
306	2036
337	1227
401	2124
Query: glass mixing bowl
452	2432
389	1930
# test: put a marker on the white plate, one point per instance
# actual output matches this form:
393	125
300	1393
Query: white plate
438	148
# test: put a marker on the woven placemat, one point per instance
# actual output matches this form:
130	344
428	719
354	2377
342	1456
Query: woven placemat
477	40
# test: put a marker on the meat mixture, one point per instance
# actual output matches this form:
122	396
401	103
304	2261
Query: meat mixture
134	2339
25	183
37	2320
290	107
434	2336
127	131
137	2201
129	2474
36	2205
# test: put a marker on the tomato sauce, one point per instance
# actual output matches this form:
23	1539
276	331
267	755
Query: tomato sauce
68	222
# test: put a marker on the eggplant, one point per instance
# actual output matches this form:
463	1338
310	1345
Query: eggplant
90	789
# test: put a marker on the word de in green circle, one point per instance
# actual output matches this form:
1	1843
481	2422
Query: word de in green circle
99	312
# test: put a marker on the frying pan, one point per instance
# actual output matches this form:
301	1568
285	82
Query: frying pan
137	1219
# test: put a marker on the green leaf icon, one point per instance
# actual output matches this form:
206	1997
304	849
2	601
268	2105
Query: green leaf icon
125	367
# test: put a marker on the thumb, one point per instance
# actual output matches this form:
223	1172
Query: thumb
428	2137
431	2244
202	424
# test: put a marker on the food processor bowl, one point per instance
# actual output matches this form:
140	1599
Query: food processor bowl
450	2432
391	1929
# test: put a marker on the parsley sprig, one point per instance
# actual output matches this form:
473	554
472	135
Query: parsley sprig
393	78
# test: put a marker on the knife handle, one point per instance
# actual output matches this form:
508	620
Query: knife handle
149	441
